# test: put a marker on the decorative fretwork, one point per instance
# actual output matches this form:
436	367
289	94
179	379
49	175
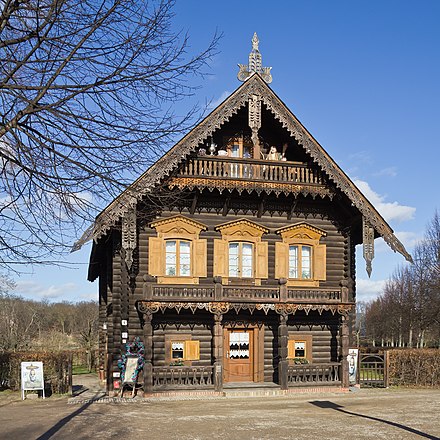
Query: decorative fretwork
368	244
255	64
169	162
148	307
129	235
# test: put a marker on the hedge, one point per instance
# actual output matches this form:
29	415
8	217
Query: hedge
414	367
55	367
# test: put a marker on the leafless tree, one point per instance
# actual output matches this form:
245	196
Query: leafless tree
86	95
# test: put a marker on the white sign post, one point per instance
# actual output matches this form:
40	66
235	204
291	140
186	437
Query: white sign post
32	377
352	358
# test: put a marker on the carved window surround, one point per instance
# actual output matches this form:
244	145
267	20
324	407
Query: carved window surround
241	231
301	234
177	228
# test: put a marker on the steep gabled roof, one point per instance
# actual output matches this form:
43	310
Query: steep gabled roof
253	88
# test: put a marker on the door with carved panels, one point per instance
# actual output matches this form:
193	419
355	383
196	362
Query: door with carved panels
239	355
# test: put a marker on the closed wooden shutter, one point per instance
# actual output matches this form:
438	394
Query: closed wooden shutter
192	350
261	268
281	260
320	262
156	256
200	258
220	258
290	349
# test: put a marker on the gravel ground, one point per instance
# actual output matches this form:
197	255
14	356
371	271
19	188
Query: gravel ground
366	414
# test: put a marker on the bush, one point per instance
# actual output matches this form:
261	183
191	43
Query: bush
419	367
55	368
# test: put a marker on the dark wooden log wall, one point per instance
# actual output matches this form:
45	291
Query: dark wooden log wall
340	265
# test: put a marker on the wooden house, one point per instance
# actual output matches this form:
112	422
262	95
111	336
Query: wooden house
233	256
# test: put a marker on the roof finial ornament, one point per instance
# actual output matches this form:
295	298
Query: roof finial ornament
255	64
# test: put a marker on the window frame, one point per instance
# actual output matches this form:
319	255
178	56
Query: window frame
299	261
307	340
245	231
178	254
301	235
240	258
179	229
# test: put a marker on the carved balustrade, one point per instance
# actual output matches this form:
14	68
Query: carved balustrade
314	295
251	169
319	374
182	377
238	293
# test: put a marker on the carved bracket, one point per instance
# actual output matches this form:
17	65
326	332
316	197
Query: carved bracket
368	244
129	235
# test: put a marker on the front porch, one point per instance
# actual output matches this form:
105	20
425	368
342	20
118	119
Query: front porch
241	346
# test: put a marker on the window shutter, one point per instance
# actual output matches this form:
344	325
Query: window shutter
281	260
320	261
199	258
192	350
261	268
155	256
290	349
220	258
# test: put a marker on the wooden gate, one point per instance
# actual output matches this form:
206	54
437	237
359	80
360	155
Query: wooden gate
373	371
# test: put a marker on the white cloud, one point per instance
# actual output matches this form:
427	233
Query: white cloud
391	211
409	239
367	290
390	172
212	105
37	291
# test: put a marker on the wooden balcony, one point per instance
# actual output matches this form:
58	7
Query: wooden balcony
252	174
243	294
253	169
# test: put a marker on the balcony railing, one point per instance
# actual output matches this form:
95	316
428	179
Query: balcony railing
237	293
182	377
251	169
318	374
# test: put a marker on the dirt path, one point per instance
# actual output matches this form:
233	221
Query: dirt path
380	414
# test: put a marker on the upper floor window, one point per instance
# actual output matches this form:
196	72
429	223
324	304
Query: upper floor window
240	260
300	262
240	253
177	255
300	258
178	258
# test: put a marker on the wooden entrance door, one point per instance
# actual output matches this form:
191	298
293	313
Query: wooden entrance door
239	353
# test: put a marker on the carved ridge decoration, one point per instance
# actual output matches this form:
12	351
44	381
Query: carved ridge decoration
249	186
148	307
254	86
255	118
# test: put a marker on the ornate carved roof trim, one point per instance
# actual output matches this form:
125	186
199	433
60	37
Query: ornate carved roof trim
302	225
242	221
254	86
174	218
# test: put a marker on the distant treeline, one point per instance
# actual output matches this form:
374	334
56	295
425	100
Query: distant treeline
41	325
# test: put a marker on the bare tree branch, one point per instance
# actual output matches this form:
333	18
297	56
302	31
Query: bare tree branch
86	91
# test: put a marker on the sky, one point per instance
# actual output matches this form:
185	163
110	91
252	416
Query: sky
362	76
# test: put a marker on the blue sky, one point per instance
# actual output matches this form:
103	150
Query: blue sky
362	76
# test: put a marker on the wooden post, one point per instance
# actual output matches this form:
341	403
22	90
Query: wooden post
344	351
148	343
282	352
70	374
283	289
218	289
386	369
217	342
